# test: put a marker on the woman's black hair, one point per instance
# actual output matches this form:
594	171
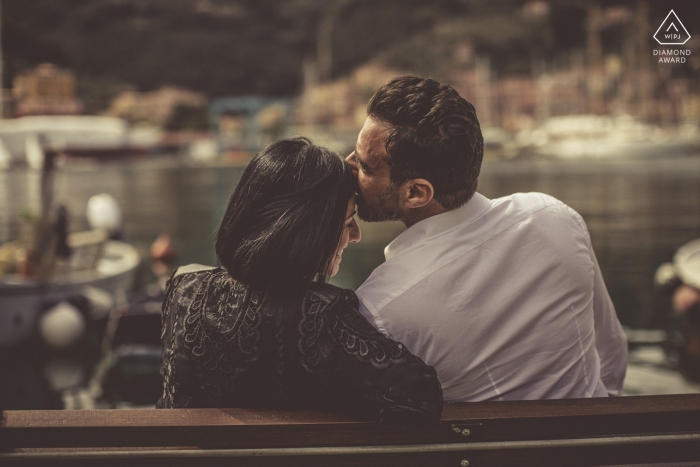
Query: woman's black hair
285	218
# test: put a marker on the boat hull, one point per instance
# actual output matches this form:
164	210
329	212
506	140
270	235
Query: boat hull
21	301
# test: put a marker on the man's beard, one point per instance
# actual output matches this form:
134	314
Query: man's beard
385	209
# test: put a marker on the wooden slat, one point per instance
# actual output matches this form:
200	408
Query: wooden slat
507	410
489	422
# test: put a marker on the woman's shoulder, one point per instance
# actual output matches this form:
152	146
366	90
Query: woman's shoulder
205	285
193	268
189	274
187	278
329	295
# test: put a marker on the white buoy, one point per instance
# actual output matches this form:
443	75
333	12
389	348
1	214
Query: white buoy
62	325
103	212
63	373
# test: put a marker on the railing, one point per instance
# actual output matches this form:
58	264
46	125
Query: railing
661	430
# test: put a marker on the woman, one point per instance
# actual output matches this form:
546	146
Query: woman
264	330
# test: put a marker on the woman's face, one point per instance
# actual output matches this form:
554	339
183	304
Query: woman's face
351	233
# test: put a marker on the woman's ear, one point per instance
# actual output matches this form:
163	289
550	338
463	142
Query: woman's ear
417	193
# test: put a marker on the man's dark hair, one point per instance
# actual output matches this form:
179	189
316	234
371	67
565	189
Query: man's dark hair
285	218
435	135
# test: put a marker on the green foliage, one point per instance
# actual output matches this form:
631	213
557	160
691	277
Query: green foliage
248	47
256	47
27	215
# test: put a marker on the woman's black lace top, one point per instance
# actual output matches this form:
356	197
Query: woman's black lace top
226	345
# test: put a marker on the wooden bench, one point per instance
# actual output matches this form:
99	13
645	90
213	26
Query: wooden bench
662	430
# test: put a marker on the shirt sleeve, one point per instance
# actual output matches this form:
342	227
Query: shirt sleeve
367	369
610	339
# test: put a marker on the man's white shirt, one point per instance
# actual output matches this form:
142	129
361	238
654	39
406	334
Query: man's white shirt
504	298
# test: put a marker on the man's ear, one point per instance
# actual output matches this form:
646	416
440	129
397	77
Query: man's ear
417	193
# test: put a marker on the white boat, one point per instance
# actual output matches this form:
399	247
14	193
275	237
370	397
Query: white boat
71	134
111	279
687	263
605	137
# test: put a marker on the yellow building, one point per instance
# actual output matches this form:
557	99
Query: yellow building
46	90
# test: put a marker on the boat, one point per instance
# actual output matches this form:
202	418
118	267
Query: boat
106	284
23	140
605	137
687	263
680	281
48	267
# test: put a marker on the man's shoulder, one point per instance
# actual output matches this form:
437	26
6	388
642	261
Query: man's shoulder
537	205
507	220
530	201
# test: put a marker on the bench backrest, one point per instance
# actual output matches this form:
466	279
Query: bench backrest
610	431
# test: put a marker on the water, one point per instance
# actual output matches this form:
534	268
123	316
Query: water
638	212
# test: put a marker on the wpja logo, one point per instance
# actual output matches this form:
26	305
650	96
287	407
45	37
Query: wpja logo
672	31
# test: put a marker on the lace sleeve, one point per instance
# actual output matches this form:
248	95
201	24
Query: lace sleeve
364	366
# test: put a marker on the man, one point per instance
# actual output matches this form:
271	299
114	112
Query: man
503	297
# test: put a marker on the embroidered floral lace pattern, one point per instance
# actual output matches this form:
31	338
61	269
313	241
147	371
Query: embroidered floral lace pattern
369	346
226	345
168	339
221	331
402	383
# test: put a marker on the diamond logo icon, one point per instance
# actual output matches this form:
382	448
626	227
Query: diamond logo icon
672	31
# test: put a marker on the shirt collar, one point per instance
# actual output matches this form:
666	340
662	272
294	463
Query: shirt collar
437	224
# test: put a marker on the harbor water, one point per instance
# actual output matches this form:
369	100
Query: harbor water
638	211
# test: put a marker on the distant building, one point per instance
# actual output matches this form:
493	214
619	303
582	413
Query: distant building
157	107
249	122
512	102
342	103
45	90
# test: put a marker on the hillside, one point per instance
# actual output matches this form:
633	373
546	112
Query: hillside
242	47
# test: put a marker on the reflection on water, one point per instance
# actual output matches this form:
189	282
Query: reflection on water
638	211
